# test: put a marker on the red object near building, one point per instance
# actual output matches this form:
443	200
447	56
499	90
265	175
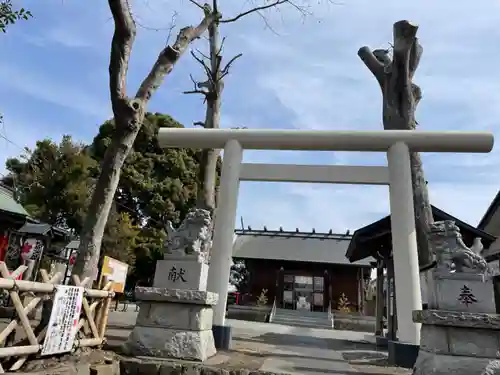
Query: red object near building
4	245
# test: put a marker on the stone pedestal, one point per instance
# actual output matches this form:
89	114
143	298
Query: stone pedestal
460	330
173	323
181	273
458	343
464	292
175	316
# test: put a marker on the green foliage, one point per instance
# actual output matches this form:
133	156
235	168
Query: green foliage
9	15
239	276
158	184
120	237
54	182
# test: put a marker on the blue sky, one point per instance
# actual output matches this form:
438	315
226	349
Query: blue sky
53	70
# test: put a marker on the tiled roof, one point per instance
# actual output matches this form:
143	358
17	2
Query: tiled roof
34	228
9	204
316	249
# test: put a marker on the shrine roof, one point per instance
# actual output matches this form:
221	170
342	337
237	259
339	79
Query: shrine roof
376	237
8	204
327	248
490	222
37	228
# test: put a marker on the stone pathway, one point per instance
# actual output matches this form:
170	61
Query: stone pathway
285	349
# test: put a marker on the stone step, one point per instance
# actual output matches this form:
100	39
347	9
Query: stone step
300	312
302	318
308	318
292	313
299	322
302	323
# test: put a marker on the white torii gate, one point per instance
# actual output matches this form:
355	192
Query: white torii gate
397	144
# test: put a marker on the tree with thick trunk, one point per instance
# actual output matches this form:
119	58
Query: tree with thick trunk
400	99
129	115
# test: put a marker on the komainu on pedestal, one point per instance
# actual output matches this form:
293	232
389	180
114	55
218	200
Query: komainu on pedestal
460	330
175	316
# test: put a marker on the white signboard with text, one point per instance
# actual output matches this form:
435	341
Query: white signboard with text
64	318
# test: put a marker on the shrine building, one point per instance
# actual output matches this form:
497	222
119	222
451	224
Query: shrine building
490	223
375	241
307	266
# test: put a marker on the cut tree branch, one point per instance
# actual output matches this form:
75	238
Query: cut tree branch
415	55
417	94
123	39
373	64
383	56
171	54
407	50
404	36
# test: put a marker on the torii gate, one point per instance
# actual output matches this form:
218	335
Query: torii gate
396	143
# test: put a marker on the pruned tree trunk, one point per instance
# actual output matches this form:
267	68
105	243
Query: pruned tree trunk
400	99
128	116
215	85
212	90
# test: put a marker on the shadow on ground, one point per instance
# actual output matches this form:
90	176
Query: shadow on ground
328	371
283	339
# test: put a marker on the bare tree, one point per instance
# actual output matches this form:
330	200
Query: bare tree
400	99
212	88
129	115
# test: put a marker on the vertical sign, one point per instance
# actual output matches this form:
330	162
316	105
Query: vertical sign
391	296
64	318
494	267
116	272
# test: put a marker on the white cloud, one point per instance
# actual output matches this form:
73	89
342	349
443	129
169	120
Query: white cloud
51	90
68	38
319	78
308	76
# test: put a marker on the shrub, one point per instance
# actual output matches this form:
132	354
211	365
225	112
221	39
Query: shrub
262	299
343	304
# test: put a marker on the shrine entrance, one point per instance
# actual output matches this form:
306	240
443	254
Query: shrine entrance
396	143
302	292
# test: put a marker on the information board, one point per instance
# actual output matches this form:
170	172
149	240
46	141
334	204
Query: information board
64	318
